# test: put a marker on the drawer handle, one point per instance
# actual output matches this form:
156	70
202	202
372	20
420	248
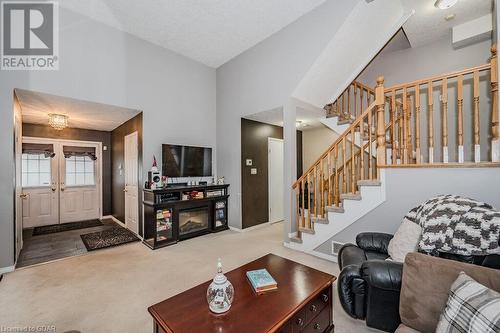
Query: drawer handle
325	298
317	326
313	308
300	322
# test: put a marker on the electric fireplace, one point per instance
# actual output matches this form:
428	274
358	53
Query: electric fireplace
193	220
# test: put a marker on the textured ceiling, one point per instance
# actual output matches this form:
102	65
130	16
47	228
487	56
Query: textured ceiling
209	31
35	109
309	118
428	24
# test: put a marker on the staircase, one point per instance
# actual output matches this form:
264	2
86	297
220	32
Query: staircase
390	127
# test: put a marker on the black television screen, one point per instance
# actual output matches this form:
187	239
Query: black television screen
186	161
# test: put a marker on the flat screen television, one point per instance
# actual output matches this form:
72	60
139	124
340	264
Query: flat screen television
186	161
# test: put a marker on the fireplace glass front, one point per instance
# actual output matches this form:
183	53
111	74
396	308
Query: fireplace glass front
193	220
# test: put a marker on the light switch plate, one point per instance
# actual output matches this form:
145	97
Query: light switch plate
249	162
253	171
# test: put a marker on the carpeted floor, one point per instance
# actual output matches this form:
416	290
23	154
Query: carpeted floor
109	290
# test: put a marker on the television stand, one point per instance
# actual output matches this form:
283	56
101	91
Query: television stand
179	212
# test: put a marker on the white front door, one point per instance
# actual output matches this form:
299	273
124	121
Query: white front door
79	194
59	189
131	183
40	201
276	181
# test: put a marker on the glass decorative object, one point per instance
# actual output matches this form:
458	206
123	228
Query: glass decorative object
220	292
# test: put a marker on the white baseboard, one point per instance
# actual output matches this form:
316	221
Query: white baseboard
7	269
258	226
111	217
321	255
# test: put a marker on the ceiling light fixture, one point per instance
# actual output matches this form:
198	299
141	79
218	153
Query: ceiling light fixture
58	121
449	17
445	4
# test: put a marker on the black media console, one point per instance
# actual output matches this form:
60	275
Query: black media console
179	212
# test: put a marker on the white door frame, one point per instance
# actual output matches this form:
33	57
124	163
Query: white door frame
126	189
269	177
97	145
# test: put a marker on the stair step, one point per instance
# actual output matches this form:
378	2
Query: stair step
344	121
321	220
335	209
350	196
296	239
307	231
368	182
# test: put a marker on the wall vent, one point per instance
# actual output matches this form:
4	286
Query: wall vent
336	247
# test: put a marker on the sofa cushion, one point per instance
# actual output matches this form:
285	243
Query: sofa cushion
405	240
425	286
471	307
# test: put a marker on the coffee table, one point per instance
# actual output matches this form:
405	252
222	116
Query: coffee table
302	303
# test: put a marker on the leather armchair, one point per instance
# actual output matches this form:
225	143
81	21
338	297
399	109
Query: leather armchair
369	286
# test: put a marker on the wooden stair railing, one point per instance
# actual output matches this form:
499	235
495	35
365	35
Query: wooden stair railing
440	119
351	103
336	173
391	134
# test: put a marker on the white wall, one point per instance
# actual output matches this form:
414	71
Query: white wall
363	34
407	188
263	78
314	143
421	62
102	64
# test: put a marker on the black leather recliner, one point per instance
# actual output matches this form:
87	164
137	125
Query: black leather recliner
369	285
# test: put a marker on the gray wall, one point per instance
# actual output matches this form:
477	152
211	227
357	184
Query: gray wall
407	188
263	78
430	60
105	65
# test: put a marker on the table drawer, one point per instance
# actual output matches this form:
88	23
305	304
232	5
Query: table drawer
298	322
314	307
320	323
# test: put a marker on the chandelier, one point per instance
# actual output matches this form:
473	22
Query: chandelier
58	121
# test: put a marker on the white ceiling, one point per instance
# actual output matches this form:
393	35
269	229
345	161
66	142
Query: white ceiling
35	109
211	32
309	118
428	23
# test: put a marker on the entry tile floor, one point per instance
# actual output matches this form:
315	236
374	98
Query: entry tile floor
45	248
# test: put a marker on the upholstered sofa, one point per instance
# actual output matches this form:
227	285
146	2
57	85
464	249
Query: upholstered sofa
369	285
426	282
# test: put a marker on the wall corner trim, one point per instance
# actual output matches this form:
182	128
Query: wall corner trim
7	269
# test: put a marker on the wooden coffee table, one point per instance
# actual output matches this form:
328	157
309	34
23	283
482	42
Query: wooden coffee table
302	303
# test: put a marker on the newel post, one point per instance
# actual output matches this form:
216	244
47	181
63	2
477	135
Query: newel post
495	118
380	109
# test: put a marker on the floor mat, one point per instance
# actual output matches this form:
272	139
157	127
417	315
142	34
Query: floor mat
107	238
51	229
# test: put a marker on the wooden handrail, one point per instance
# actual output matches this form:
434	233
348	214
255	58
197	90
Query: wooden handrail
450	75
337	142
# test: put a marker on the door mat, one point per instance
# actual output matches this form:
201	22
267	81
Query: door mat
51	229
107	238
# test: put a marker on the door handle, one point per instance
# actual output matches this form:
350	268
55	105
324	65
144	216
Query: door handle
125	190
23	195
62	189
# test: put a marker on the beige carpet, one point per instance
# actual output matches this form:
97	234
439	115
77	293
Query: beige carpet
110	290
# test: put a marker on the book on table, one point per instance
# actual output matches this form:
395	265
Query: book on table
261	281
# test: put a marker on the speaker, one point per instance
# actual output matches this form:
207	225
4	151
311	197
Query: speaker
154	177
